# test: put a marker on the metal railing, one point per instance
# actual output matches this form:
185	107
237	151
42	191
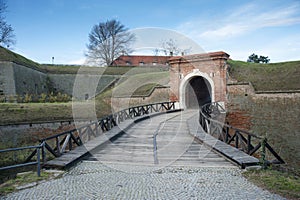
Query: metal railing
243	140
28	161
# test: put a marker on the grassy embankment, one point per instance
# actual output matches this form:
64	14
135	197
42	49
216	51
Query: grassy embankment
282	183
11	113
275	117
282	76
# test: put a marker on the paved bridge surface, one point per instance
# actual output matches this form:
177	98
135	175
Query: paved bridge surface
162	140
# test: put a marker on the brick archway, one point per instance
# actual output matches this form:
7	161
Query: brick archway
185	84
211	67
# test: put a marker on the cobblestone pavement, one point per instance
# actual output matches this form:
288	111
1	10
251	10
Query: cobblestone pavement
93	180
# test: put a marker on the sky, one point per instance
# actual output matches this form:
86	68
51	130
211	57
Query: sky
60	28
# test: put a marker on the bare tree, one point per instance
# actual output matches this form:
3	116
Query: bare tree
170	47
107	41
7	36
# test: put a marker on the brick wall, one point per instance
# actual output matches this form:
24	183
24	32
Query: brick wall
212	65
274	116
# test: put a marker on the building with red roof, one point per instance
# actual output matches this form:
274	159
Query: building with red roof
136	60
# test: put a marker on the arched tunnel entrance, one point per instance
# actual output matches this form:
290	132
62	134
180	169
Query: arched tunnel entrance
197	92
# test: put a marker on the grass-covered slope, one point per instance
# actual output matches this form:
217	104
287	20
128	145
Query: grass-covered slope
111	70
140	84
282	76
9	56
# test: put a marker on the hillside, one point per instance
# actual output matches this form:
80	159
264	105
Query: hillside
282	76
140	84
9	56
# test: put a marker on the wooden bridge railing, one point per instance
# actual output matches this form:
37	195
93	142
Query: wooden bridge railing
63	142
243	140
60	143
28	161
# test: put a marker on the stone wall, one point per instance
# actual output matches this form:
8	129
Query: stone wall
82	86
18	80
29	81
7	81
272	115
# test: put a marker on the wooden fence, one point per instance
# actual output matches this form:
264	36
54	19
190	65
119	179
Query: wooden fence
243	140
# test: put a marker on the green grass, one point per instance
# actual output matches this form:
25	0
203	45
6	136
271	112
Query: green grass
34	112
7	55
74	69
145	90
14	113
140	84
282	183
267	77
24	179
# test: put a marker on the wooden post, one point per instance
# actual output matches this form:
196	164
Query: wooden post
58	145
249	144
263	153
237	139
70	142
227	133
38	162
44	160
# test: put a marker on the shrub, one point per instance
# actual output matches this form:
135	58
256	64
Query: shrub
27	98
2	99
52	98
43	98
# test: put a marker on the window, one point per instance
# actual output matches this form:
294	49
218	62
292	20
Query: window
128	63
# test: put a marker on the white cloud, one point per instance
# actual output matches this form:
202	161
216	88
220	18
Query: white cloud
245	19
79	61
247	29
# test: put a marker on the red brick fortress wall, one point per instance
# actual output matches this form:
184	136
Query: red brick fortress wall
211	66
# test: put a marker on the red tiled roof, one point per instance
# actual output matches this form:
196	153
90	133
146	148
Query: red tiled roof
134	60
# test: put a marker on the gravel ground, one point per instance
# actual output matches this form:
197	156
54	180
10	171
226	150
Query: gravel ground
93	180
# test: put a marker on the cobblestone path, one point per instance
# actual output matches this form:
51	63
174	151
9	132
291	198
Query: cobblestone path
94	180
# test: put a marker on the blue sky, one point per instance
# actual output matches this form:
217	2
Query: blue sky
60	28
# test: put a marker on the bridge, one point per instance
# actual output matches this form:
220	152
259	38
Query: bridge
180	154
154	140
157	135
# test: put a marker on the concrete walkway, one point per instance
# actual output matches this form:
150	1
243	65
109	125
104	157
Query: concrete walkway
94	180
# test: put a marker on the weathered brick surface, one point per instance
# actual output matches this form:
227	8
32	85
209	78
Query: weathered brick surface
211	64
271	115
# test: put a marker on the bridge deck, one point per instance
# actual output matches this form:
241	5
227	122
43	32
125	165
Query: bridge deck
175	145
